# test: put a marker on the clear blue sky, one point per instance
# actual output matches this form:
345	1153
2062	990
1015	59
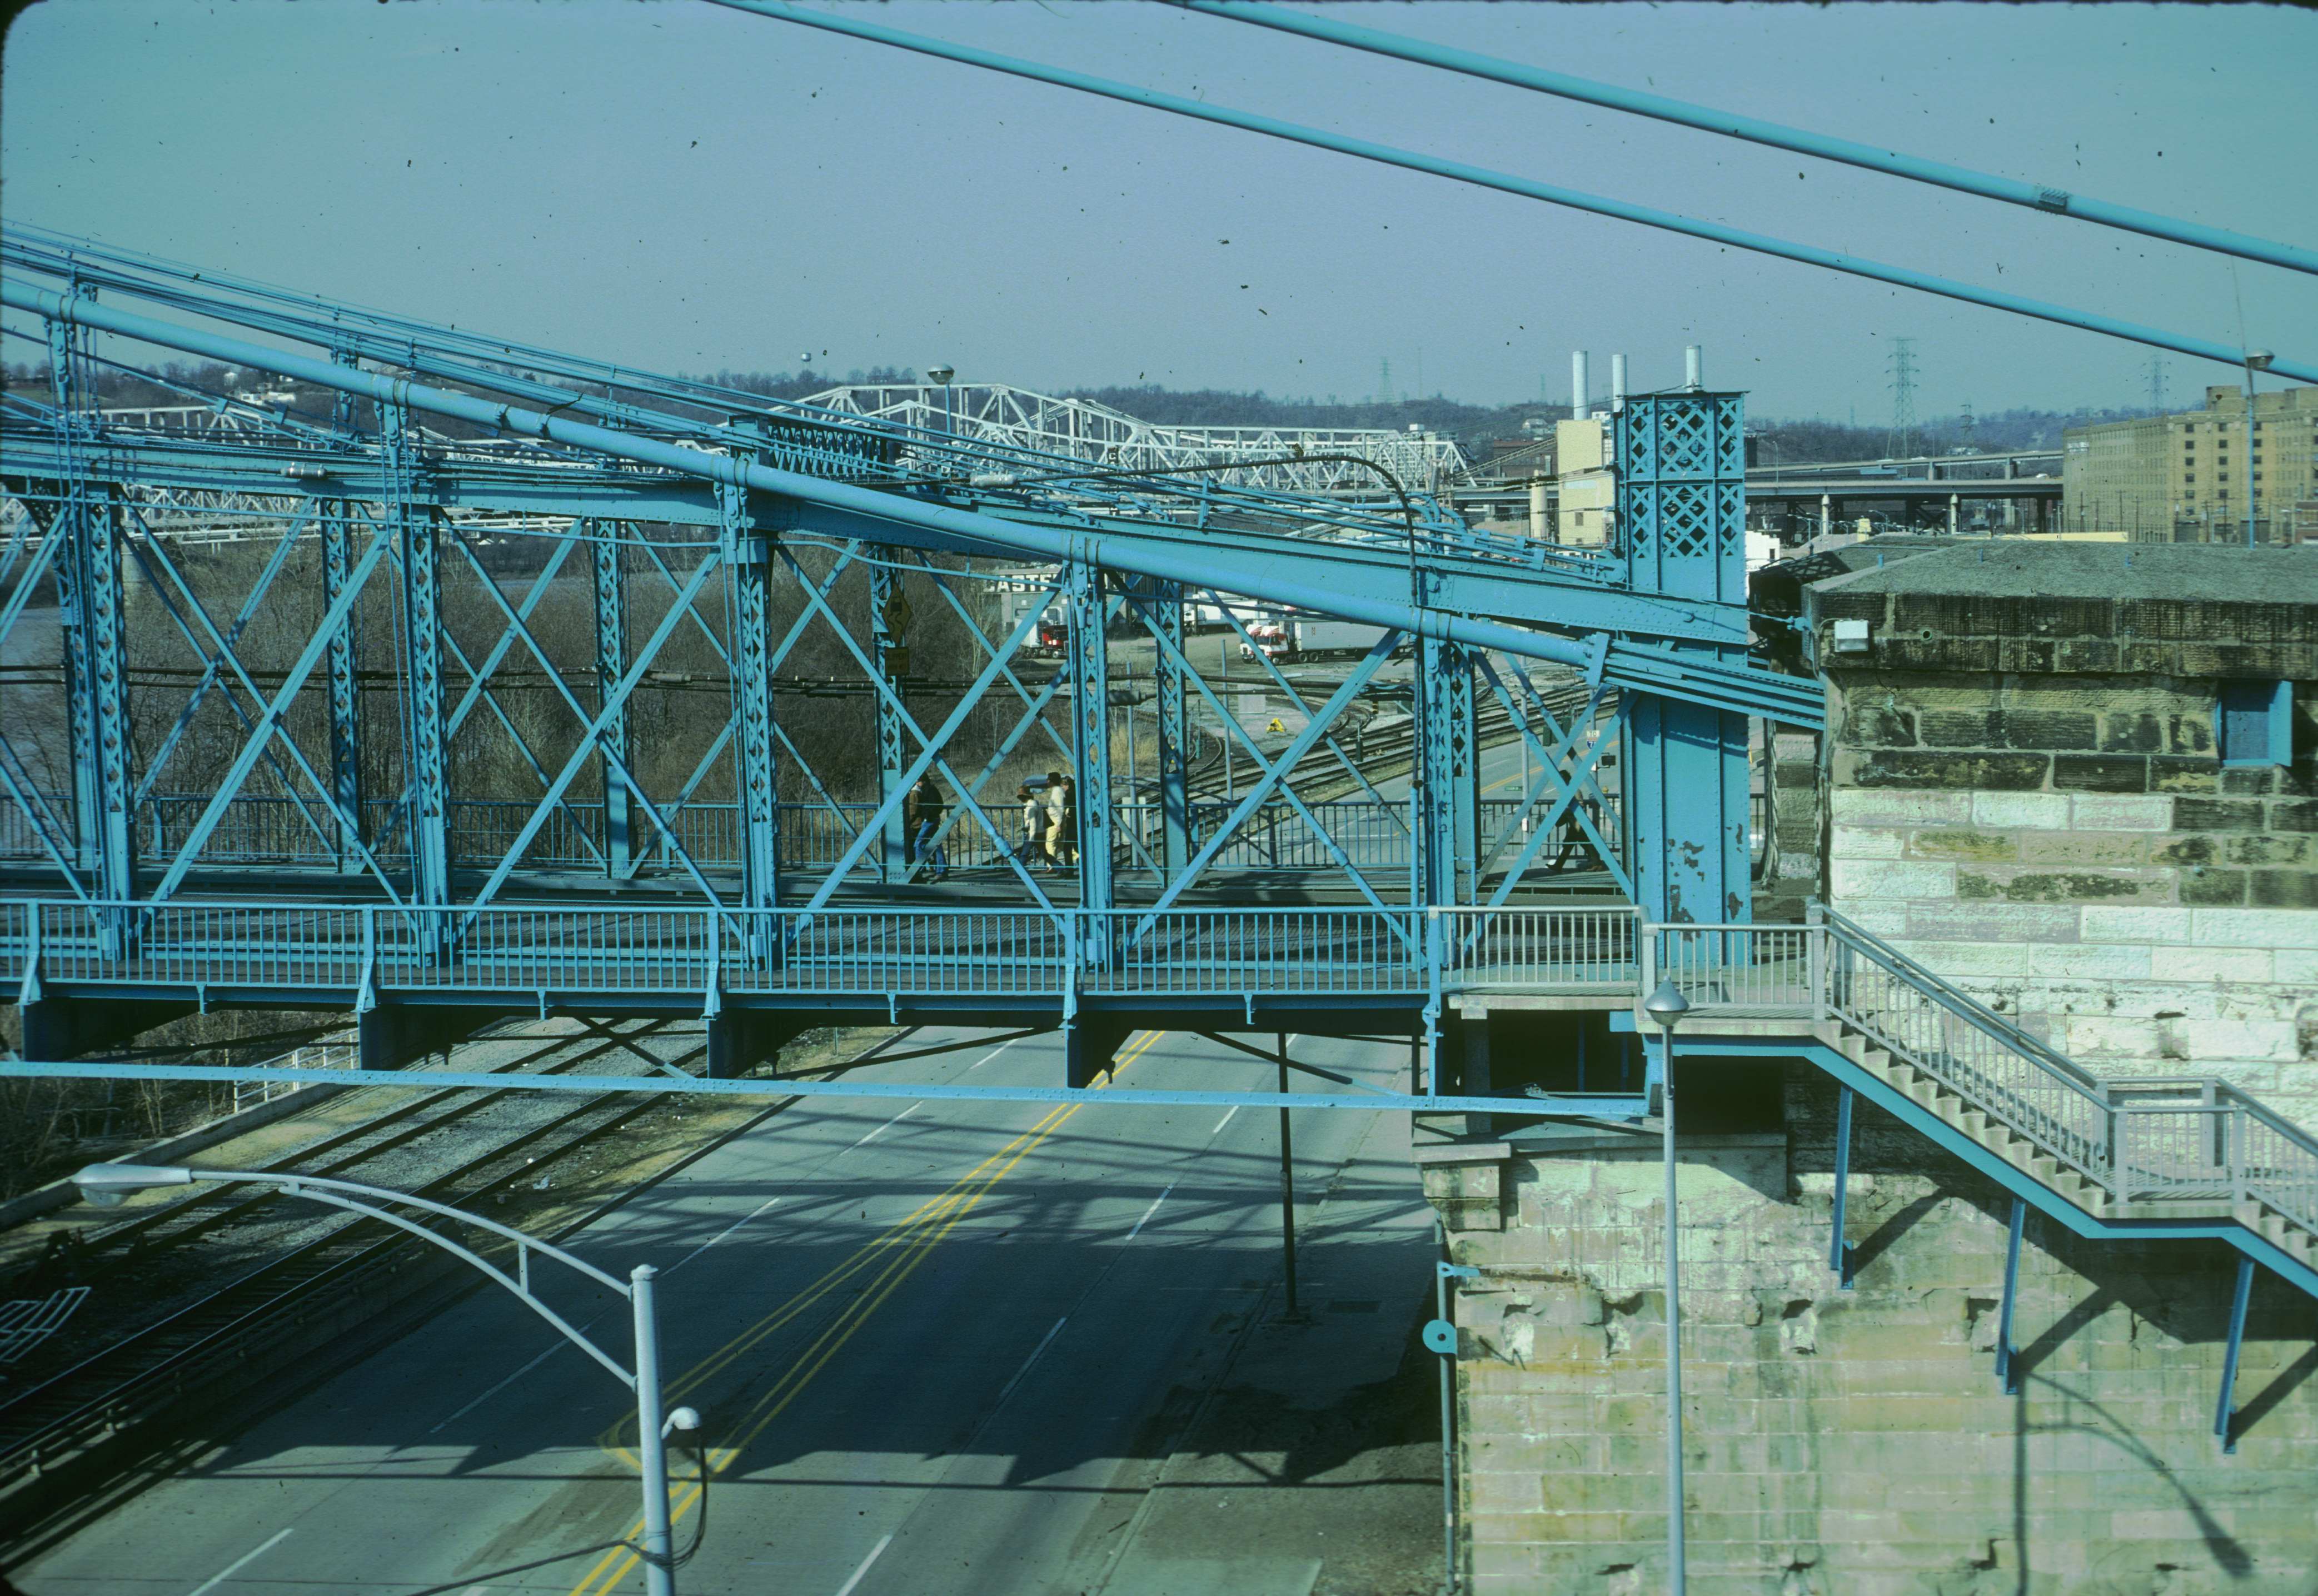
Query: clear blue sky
679	185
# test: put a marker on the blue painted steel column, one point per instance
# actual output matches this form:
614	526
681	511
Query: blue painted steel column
611	665
68	523
1840	1251
1166	611
104	615
756	776
425	753
91	604
889	654
2007	1356
1681	516
344	695
2225	1410
1448	799
1090	675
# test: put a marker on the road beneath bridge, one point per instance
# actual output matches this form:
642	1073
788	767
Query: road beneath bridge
966	1347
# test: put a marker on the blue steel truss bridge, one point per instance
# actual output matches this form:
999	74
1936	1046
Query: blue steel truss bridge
532	683
421	793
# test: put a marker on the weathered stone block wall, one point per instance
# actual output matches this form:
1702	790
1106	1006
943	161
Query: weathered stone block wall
1857	1443
1798	817
2025	796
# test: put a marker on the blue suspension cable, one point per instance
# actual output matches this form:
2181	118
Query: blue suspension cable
2036	196
1482	177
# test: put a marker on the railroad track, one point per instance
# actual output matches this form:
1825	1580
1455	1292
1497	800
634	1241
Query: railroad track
341	1152
344	1274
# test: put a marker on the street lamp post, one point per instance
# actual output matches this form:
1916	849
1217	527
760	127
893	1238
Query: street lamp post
2256	360
109	1185
1667	1006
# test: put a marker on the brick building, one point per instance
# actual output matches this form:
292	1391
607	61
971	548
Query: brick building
2184	478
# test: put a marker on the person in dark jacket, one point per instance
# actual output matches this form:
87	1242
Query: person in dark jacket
928	798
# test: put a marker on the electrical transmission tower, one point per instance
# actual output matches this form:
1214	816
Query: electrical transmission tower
1969	426
2157	384
1902	442
1384	379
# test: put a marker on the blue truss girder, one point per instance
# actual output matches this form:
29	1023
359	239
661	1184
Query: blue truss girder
1306	572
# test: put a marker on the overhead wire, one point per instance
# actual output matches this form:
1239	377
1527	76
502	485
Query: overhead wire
2046	198
1505	182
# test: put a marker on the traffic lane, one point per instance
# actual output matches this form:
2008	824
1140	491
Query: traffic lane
908	1388
483	1393
1104	1354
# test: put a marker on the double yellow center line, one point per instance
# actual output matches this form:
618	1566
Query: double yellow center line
880	1266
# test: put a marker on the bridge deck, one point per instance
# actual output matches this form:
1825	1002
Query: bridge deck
610	956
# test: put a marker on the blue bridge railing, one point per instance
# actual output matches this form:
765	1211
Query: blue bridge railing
863	952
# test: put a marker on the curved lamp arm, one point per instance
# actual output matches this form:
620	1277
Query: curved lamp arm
115	1181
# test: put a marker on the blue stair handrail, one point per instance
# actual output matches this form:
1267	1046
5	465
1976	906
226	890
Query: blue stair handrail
2178	1137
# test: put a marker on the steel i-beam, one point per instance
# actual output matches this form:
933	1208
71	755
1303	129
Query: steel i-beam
757	778
104	615
612	664
1165	608
68	525
344	699
889	657
426	756
1446	771
1090	673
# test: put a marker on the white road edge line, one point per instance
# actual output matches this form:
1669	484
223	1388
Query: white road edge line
553	1348
970	1069
1148	1211
1035	1353
720	1234
1223	1122
888	1125
238	1563
874	1553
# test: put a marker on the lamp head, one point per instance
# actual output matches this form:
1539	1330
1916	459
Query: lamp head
2258	359
941	374
686	1420
108	1186
1667	1004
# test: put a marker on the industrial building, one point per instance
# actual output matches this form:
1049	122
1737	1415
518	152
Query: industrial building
2184	478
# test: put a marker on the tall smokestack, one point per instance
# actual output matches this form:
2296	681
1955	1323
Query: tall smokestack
1692	359
1577	385
1617	380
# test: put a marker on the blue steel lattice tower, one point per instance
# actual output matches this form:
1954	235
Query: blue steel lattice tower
1682	515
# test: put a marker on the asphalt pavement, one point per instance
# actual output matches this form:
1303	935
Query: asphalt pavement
947	1348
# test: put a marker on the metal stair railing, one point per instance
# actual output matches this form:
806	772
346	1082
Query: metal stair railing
2189	1138
1990	1062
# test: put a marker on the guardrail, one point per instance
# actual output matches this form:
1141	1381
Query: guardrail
1582	947
642	951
